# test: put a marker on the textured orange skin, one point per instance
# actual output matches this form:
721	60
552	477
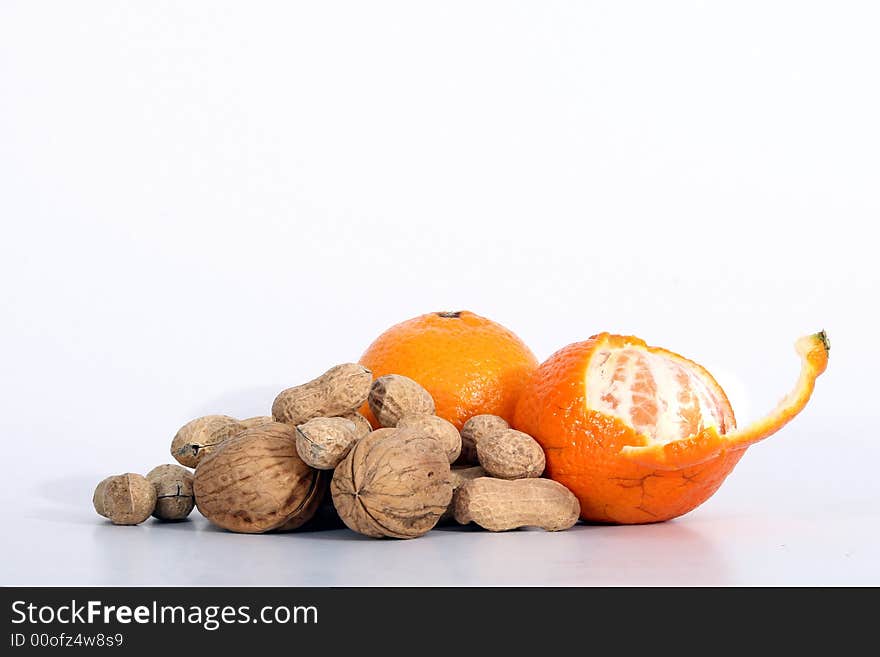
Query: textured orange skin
650	483
469	364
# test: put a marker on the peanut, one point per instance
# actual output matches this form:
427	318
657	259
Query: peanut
460	475
361	423
476	428
500	505
392	396
126	499
511	454
323	442
199	437
98	497
436	427
340	390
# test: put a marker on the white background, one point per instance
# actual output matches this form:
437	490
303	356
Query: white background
205	202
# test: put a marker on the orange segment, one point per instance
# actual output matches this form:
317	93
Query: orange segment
638	433
656	392
709	443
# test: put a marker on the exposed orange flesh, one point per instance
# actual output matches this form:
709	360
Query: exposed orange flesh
709	443
661	395
655	472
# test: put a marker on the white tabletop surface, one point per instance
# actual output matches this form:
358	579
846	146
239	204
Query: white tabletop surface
812	522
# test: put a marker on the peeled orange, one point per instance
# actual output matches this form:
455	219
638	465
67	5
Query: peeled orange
640	434
470	364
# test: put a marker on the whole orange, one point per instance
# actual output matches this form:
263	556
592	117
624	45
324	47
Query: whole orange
640	434
469	364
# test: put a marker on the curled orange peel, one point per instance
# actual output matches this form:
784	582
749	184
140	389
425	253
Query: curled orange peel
708	444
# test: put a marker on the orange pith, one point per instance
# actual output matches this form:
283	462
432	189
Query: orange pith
658	393
470	364
640	434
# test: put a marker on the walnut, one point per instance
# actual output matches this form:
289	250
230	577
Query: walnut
174	491
394	483
251	422
256	482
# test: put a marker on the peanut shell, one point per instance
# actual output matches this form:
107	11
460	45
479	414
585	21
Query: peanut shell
128	499
361	423
500	505
392	396
198	438
511	454
340	390
323	442
477	427
98	496
460	476
431	425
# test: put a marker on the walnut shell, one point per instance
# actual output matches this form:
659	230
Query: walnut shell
256	482
396	485
323	442
511	454
477	427
127	499
199	437
340	390
259	420
431	425
174	491
392	396
384	432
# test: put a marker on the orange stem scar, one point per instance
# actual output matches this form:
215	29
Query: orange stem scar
709	444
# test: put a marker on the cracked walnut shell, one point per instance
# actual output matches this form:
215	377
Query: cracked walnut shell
174	491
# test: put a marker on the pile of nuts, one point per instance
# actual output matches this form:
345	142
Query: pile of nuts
272	473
